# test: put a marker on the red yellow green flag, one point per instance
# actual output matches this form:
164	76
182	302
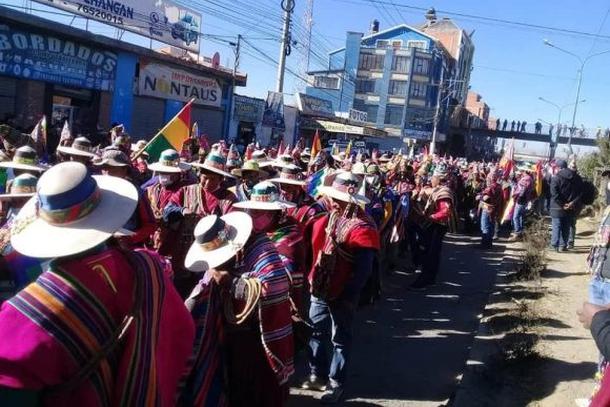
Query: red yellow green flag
172	135
316	146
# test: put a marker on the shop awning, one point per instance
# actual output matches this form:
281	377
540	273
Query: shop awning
334	127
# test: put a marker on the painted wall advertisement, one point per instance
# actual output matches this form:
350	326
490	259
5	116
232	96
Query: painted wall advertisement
50	59
274	111
164	82
160	20
247	109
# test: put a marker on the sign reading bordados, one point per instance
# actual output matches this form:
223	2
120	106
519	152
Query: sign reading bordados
161	20
50	59
248	109
167	83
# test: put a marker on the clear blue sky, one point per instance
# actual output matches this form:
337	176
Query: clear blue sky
512	65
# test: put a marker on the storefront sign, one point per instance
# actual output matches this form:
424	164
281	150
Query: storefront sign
161	20
313	106
167	83
418	134
273	115
247	109
334	127
51	59
357	116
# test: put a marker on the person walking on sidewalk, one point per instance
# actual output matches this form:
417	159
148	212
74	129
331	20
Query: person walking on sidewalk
491	202
566	188
522	194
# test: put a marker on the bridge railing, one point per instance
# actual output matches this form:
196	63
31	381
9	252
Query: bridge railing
564	131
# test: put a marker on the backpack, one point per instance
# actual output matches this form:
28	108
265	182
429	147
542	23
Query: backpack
589	193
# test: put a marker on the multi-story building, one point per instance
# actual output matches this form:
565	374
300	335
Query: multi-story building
394	76
478	111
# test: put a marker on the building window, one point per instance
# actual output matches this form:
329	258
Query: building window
371	61
371	110
417	44
419	90
421	66
326	82
393	115
382	44
400	64
398	88
365	85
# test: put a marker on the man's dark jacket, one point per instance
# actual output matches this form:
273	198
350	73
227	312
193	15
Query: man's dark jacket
566	187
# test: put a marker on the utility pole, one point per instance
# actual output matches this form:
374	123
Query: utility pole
288	7
437	112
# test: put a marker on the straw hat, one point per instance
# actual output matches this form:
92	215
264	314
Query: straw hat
261	157
22	186
138	145
81	146
290	174
265	196
169	163
214	162
384	158
217	240
249	166
72	212
345	187
359	168
113	158
283	160
25	158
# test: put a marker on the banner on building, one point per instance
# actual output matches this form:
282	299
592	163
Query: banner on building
313	106
52	59
161	20
247	109
273	115
164	82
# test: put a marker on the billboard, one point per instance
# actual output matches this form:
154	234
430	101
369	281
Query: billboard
247	109
313	106
273	115
48	58
165	82
161	20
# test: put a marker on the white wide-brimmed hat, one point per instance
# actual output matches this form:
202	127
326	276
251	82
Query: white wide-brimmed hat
81	146
250	166
261	158
169	163
217	240
345	187
283	160
72	212
26	159
265	196
290	174
22	186
214	162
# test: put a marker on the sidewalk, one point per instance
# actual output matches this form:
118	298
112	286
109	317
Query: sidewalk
561	367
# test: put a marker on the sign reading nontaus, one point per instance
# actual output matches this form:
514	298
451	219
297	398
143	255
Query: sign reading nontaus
161	20
168	83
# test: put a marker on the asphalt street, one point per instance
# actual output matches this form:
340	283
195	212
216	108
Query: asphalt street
411	348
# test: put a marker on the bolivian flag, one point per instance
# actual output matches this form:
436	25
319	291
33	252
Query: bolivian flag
172	135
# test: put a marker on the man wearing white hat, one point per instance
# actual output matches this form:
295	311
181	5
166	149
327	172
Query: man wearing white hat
81	151
249	174
244	346
344	242
98	318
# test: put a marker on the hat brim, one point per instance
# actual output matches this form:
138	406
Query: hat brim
168	169
265	206
240	227
212	169
39	239
288	181
4	197
25	167
110	163
343	196
74	151
239	171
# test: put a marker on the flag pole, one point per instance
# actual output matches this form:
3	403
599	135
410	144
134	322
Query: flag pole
139	152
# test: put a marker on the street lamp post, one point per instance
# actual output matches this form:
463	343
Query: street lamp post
582	62
559	113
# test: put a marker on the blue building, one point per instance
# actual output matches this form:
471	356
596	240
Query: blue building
393	76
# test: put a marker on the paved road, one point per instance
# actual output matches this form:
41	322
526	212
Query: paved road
411	348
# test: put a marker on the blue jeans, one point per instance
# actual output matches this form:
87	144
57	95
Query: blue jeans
518	217
488	226
599	291
332	324
560	231
572	233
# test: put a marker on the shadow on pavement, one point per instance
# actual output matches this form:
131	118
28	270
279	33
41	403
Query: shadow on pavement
413	346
